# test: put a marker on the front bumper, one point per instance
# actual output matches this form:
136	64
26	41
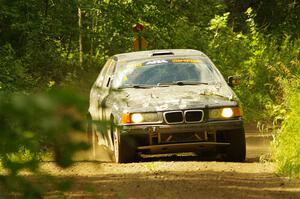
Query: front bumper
164	138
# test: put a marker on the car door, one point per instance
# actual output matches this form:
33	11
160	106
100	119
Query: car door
106	89
104	85
106	106
99	92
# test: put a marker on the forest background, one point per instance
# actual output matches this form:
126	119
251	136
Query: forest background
55	43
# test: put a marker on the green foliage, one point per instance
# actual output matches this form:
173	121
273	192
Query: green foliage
33	124
13	72
259	59
287	143
37	43
277	17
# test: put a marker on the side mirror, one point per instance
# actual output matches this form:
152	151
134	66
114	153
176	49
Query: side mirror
234	81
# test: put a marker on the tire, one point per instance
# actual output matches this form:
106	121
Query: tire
124	148
236	151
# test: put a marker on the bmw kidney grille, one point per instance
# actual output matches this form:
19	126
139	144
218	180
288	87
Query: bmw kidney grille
189	116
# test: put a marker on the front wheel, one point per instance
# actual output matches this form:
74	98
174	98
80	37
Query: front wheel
236	151
124	148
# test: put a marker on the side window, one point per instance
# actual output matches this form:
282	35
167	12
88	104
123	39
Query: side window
108	77
101	77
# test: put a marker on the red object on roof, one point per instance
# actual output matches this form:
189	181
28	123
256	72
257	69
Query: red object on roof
138	27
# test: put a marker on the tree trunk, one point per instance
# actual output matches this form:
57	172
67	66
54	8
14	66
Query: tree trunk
80	36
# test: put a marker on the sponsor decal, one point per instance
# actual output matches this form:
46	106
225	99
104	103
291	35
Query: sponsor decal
156	62
186	60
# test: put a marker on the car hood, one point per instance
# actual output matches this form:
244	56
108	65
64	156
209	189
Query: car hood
172	98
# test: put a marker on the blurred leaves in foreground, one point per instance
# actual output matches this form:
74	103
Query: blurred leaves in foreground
32	125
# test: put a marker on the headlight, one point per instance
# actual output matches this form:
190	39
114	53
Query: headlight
222	113
136	118
227	112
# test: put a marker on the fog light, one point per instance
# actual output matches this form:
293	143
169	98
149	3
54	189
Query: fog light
227	112
137	118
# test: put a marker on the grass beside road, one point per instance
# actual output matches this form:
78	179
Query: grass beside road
287	144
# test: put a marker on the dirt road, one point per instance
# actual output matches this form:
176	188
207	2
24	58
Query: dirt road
180	176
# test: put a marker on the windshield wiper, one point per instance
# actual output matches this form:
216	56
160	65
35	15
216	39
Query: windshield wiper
138	86
182	83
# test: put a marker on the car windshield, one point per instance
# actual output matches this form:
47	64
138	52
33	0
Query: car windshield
181	71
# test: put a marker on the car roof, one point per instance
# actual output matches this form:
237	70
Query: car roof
156	54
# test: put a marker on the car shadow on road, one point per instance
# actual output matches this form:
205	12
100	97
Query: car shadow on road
183	157
178	157
186	157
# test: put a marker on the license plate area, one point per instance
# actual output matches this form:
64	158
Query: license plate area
155	137
182	137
